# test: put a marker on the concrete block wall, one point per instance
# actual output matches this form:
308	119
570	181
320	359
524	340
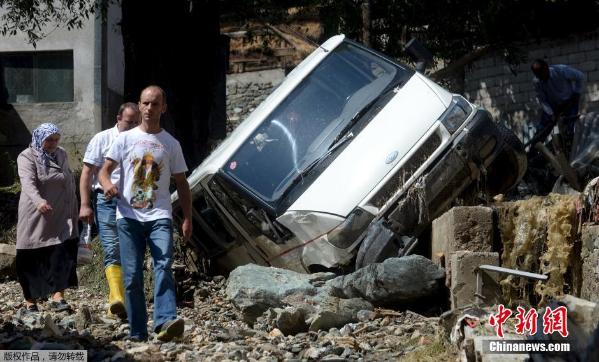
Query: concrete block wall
507	91
590	263
245	91
461	240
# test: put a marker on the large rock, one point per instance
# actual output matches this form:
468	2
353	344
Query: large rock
333	312
294	302
394	280
254	289
291	320
313	313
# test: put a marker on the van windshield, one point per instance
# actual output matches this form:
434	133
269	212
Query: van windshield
303	127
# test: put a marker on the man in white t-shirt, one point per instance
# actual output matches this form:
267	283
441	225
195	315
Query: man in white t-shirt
148	157
104	211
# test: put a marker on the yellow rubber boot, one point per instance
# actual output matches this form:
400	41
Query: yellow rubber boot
116	296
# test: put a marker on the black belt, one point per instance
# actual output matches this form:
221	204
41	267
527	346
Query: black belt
98	191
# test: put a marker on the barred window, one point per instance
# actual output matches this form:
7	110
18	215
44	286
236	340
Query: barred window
36	77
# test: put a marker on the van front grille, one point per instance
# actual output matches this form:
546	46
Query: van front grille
407	170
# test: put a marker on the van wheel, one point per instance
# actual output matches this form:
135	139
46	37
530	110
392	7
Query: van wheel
509	166
379	244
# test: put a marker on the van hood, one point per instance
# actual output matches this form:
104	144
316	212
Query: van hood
357	170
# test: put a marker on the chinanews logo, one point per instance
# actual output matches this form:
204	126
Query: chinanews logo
554	321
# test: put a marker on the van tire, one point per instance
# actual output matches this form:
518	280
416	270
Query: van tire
508	168
379	244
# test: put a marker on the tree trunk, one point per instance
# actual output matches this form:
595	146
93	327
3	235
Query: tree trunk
179	48
366	22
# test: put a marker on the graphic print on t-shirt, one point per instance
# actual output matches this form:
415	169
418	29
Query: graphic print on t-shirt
146	173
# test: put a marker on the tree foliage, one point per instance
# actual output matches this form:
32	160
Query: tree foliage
37	18
450	28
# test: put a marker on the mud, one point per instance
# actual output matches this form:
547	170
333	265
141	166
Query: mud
538	235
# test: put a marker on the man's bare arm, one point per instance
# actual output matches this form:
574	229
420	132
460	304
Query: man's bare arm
110	189
86	213
185	201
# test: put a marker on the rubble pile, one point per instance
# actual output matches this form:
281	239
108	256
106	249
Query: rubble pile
215	331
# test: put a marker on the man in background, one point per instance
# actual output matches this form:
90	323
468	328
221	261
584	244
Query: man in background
558	88
102	209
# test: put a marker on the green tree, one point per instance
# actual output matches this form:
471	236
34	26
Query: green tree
36	18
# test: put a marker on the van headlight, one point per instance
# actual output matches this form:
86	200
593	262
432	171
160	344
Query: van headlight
339	231
457	113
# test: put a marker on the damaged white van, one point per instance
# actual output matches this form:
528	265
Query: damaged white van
343	165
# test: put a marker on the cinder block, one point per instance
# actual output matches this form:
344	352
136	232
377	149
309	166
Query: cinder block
593	76
589	238
585	313
587	44
462	268
461	228
587	66
536	54
560	59
7	261
590	263
576	58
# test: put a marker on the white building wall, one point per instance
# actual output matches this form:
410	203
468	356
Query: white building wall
79	119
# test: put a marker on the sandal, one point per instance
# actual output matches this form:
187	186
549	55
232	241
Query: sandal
59	306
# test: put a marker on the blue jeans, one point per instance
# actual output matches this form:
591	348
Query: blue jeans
158	235
105	213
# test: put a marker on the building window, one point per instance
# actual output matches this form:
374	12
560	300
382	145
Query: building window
36	77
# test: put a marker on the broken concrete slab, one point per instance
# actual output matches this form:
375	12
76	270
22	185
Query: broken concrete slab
8	255
590	277
463	267
590	263
461	228
590	237
584	312
395	280
254	289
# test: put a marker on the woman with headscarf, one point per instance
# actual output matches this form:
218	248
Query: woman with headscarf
47	230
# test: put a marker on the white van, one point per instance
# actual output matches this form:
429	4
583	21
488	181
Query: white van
344	164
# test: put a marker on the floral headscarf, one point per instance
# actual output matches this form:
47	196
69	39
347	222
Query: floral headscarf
38	137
